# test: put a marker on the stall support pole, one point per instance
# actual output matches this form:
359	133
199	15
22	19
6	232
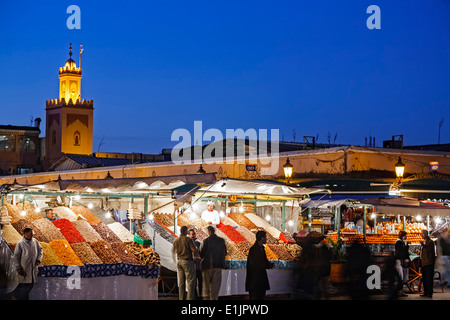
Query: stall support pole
364	222
428	223
226	205
146	208
2	200
283	216
337	221
398	219
375	224
404	222
309	220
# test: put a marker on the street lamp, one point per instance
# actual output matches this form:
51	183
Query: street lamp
399	171
399	168
288	169
200	170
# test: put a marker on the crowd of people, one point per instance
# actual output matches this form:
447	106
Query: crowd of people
199	265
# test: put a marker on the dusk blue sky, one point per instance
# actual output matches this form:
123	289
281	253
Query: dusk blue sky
155	66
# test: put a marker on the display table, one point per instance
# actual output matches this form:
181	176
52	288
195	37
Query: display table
233	281
96	282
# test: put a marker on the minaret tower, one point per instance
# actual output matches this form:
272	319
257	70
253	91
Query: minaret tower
70	80
69	119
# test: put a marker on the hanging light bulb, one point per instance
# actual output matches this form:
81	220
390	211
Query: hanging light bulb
241	207
419	218
151	216
268	218
37	210
77	197
23	213
107	214
290	223
373	216
90	205
438	220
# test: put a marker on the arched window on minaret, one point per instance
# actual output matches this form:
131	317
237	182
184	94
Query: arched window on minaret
76	138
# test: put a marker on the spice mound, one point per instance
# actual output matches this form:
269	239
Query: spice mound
85	214
106	233
49	229
22	224
86	231
145	256
49	256
65	252
69	231
105	252
124	253
84	251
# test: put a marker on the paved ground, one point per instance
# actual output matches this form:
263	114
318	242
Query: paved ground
437	295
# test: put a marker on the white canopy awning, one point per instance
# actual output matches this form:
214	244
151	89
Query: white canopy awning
408	207
120	185
258	188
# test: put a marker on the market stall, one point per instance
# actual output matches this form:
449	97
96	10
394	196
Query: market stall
87	254
237	202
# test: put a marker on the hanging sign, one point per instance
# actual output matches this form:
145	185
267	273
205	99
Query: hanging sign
434	166
250	167
233	198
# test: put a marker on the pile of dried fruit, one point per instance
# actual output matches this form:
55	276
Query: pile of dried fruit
124	253
242	220
84	251
280	252
143	234
69	231
145	256
231	233
86	231
288	236
106	233
294	249
65	253
123	233
247	234
164	218
65	213
244	247
49	256
22	224
270	254
105	252
13	211
85	213
10	234
233	253
227	220
49	229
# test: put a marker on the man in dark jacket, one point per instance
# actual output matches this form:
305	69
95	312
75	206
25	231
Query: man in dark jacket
198	268
257	282
428	258
212	251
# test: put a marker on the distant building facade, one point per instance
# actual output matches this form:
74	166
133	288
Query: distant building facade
20	149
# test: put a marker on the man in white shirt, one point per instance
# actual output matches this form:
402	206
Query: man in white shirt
210	215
